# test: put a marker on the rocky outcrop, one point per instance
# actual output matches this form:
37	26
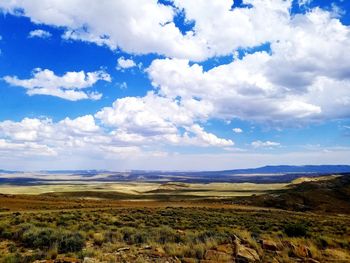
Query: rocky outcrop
269	245
301	251
243	254
234	252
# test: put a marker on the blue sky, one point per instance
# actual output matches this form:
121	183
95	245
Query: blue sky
174	84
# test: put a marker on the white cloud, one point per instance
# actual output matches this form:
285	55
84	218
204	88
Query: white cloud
207	139
304	2
153	118
123	63
146	26
123	85
121	160
132	126
84	124
83	137
24	149
294	81
39	33
237	130
136	26
68	86
26	130
235	90
266	144
141	115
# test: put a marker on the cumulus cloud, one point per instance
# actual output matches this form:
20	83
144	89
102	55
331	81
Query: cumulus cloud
157	119
137	26
291	81
266	144
123	63
130	128
24	149
237	130
208	139
44	137
143	26
236	90
39	33
68	86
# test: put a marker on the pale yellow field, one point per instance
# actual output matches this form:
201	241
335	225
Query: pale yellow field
137	188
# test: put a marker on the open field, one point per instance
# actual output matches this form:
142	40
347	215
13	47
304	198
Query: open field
175	222
151	231
146	189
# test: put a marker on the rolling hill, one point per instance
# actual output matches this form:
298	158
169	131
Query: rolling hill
328	195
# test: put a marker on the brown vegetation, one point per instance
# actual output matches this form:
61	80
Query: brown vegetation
168	232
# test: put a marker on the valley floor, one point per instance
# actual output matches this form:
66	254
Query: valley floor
66	228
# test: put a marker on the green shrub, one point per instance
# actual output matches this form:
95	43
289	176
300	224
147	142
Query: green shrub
127	234
70	242
47	238
98	239
5	231
39	238
166	234
295	230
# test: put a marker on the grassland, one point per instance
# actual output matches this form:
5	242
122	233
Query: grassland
169	222
146	189
154	232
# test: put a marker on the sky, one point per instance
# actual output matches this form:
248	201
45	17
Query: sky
173	84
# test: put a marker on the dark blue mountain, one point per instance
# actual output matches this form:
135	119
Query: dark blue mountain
293	169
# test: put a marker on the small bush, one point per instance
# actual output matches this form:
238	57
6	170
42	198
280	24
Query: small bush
39	238
98	239
5	231
70	242
295	230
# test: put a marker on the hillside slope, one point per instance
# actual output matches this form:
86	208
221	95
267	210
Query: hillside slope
318	196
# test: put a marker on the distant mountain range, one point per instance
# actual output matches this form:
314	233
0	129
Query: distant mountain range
295	169
265	174
260	170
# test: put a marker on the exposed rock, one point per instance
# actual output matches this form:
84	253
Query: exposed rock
147	247
244	254
123	249
269	245
300	251
226	248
